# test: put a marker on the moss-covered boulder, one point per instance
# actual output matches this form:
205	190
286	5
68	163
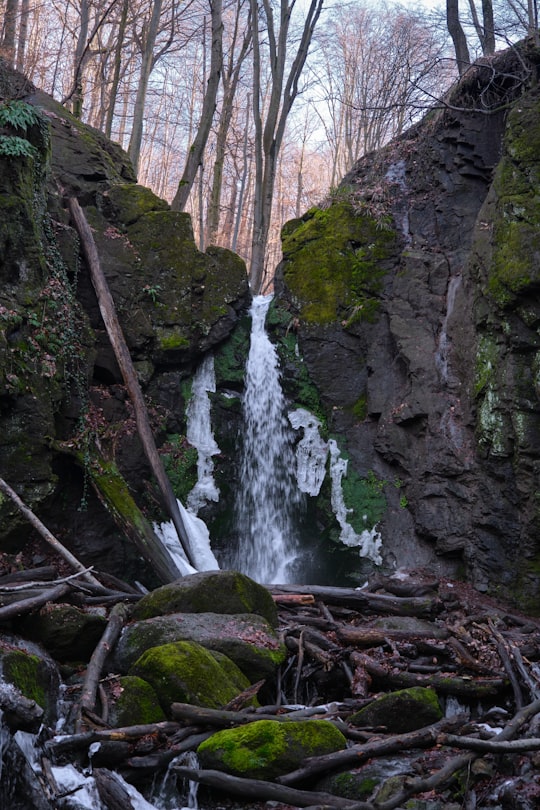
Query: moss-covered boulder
67	632
133	702
185	672
266	749
248	640
401	711
209	592
32	672
361	783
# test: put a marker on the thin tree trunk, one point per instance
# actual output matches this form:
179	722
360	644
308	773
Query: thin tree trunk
46	534
196	150
23	34
7	46
458	36
108	313
116	71
134	148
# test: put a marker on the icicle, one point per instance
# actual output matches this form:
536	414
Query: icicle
200	436
311	452
369	541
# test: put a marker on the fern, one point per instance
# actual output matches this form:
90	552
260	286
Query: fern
18	115
15	147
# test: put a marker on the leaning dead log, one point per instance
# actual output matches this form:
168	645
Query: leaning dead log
106	643
470	688
259	790
46	534
358	754
111	792
125	363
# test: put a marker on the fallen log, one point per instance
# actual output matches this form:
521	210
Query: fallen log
492	746
220	718
117	619
470	688
77	742
373	637
259	790
357	754
46	534
23	606
44	573
363	600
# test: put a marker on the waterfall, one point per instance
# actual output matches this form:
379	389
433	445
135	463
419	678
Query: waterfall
444	344
268	498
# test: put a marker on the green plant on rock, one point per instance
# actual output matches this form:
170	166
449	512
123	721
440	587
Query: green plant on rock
18	116
365	499
180	462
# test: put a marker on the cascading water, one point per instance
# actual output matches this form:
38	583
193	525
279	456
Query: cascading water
268	500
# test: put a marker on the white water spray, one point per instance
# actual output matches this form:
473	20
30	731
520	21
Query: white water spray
268	497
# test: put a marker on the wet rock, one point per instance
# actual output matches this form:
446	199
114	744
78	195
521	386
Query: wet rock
248	640
401	711
209	591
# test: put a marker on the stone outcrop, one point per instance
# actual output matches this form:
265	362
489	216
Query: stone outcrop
415	297
65	418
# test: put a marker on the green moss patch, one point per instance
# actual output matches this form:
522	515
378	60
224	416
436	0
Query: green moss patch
334	262
401	711
136	703
185	672
267	748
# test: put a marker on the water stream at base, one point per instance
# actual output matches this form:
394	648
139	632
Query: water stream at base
268	499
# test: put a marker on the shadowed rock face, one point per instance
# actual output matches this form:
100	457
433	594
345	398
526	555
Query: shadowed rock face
59	380
436	386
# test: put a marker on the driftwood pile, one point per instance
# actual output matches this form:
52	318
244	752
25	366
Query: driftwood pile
345	647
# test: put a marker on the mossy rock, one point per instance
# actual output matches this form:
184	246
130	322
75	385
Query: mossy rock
401	711
130	201
248	640
184	672
266	749
34	675
334	260
68	633
209	592
136	704
359	784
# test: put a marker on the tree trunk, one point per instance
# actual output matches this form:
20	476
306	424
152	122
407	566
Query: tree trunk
116	71
268	138
147	65
459	39
196	151
108	313
7	46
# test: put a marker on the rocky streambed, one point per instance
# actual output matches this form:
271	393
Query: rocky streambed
411	692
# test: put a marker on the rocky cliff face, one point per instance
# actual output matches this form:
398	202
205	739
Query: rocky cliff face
416	296
65	418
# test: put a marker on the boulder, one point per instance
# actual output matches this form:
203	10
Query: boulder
248	639
266	749
134	702
67	632
401	711
209	592
185	672
32	673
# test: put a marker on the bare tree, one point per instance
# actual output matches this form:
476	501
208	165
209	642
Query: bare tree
196	150
455	29
270	123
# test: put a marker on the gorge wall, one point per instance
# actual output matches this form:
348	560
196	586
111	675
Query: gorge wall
416	296
406	316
